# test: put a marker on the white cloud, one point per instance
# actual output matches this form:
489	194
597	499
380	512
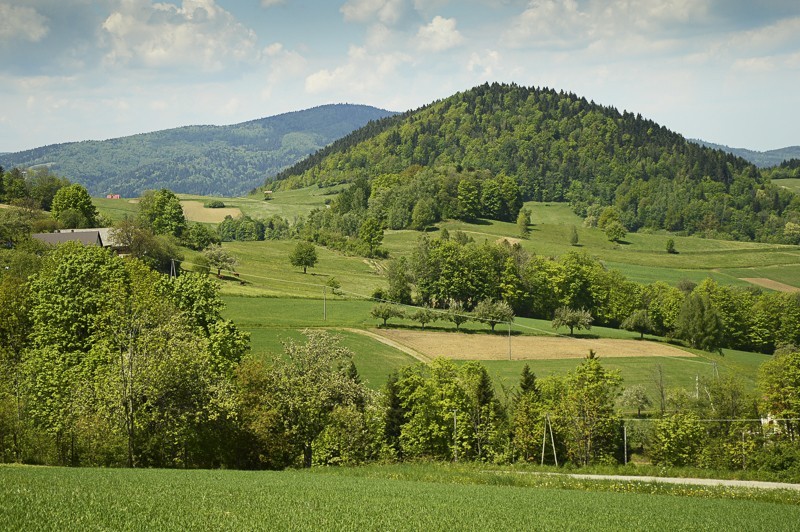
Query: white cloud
568	24
483	65
197	35
361	75
271	3
441	34
385	11
21	23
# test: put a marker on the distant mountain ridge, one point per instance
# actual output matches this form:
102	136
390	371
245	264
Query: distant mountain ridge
762	159
211	160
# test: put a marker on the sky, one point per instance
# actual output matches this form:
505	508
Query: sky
725	71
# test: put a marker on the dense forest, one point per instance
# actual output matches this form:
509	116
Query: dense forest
461	155
210	160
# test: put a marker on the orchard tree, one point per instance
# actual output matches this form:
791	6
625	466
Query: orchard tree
636	397
304	255
572	318
639	321
386	311
220	259
423	315
493	312
457	314
573	236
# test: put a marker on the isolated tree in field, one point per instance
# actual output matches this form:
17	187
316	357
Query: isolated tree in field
573	236
494	312
386	311
304	255
220	259
671	246
636	397
615	231
523	223
572	318
161	210
73	207
639	321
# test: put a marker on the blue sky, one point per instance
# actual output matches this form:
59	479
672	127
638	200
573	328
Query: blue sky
726	71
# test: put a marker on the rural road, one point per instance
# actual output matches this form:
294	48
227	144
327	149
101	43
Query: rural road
691	481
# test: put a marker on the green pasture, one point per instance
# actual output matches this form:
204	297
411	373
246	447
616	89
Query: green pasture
792	184
271	321
374	360
115	209
46	498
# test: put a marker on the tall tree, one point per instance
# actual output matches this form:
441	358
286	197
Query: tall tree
73	207
304	255
161	210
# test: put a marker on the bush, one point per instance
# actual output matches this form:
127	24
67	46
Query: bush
214	204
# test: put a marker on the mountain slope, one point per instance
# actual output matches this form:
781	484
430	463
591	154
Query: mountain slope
220	160
555	146
762	159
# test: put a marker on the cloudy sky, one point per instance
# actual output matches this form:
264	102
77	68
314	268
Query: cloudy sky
726	71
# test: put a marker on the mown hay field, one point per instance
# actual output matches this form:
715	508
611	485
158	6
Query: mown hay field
515	347
196	212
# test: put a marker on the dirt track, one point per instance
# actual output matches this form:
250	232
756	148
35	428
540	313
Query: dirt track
772	285
462	346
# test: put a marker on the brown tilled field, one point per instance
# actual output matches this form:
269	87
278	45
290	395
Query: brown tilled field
461	346
195	212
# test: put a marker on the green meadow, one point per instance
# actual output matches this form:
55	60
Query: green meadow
403	497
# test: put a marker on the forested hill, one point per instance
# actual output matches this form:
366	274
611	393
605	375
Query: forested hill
553	146
762	159
220	160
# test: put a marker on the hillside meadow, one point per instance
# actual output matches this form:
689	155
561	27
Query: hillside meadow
274	301
404	497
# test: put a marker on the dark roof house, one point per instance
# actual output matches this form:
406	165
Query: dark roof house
87	238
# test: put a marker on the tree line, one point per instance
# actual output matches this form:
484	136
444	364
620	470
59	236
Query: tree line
104	361
455	273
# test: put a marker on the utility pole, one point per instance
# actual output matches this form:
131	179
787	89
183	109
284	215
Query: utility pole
455	435
509	340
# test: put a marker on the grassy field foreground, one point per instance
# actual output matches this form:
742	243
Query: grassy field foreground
439	498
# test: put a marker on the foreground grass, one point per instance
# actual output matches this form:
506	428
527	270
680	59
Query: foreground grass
422	497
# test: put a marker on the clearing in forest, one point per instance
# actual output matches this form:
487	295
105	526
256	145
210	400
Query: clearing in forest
195	212
461	346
